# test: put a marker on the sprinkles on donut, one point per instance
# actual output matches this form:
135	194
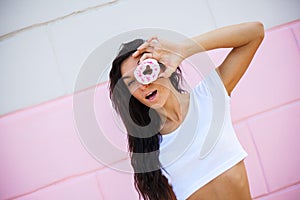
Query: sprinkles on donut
147	71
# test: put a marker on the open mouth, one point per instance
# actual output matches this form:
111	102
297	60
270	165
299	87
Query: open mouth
152	95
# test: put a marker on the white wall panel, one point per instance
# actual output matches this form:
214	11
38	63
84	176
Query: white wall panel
29	74
17	14
270	12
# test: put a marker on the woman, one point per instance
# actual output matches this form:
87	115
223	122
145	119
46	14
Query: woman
155	113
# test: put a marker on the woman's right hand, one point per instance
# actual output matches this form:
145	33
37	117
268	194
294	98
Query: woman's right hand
168	53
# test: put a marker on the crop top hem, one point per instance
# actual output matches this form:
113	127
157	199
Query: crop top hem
213	174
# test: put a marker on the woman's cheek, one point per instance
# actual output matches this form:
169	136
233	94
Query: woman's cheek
138	95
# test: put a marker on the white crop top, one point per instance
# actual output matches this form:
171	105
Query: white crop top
205	144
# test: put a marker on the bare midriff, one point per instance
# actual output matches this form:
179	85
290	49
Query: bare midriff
230	185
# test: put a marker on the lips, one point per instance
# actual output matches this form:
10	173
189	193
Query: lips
151	96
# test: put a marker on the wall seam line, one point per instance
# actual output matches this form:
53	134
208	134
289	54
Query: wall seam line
259	113
66	179
295	38
211	13
99	185
56	182
288	187
75	13
58	66
55	99
258	156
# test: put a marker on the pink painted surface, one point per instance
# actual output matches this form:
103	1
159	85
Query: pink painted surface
255	173
296	32
272	78
115	134
276	134
75	188
39	146
290	193
116	184
42	156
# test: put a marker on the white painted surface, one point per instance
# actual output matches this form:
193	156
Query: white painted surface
16	14
28	70
270	12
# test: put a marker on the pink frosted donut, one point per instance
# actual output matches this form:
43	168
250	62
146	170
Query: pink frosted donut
147	71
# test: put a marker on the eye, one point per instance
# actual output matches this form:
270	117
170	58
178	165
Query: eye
130	83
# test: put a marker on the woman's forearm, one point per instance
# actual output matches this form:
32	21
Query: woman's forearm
226	37
244	38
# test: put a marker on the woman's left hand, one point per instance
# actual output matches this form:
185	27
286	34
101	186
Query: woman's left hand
166	52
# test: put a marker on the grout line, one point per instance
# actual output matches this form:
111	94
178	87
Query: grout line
295	38
56	182
274	108
55	99
287	187
284	25
258	156
67	179
211	13
58	66
13	33
99	187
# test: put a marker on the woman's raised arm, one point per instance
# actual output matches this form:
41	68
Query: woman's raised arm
244	39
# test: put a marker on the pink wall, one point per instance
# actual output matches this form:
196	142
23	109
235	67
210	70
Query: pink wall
43	158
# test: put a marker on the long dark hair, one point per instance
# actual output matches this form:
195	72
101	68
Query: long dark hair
142	125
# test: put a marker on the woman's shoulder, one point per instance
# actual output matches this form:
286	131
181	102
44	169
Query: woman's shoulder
211	83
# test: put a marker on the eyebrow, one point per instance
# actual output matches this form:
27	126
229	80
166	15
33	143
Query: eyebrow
125	77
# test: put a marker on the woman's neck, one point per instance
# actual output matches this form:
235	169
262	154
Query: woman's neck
175	108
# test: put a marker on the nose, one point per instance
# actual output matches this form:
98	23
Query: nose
143	87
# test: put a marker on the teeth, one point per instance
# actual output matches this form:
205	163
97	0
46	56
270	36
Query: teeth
149	93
